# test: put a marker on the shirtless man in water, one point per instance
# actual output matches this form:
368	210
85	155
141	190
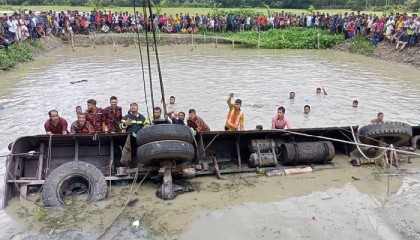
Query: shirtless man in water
378	119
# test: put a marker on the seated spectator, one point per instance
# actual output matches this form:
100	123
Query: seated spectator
4	42
402	39
105	28
81	125
377	38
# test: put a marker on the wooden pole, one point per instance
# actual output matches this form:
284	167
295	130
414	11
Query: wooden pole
72	42
318	40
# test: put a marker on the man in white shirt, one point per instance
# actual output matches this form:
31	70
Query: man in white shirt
12	24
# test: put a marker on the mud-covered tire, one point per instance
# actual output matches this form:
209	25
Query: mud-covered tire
391	132
71	173
153	153
164	132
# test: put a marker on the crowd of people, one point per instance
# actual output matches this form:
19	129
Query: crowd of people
112	120
403	29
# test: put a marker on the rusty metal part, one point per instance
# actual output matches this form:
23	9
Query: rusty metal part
262	159
216	169
168	190
263	153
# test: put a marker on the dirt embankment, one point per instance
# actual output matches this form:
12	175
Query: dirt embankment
49	43
386	51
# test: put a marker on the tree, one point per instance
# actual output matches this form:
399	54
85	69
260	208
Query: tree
413	5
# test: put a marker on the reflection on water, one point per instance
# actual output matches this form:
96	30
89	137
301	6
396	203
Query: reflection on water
201	78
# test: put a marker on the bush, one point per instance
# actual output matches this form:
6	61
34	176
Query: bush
361	45
292	38
18	53
235	12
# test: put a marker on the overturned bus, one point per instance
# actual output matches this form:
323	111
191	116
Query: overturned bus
64	165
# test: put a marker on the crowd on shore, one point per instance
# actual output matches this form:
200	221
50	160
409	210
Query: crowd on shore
112	120
403	29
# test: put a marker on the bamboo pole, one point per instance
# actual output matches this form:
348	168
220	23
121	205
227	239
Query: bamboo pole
72	42
318	40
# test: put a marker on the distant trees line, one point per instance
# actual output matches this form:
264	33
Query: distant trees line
379	5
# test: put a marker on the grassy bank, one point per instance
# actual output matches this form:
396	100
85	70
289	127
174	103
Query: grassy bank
361	45
19	53
292	38
172	11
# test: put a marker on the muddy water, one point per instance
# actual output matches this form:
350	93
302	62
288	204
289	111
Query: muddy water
201	78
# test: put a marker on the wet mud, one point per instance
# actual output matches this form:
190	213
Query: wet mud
325	204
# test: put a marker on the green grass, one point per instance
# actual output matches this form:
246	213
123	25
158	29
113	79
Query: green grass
19	53
361	45
292	38
172	11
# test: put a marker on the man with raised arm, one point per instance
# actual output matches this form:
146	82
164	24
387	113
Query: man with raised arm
235	117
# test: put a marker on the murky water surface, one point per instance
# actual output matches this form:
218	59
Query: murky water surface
201	77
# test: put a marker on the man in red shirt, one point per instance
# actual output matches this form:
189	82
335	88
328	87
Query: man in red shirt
81	125
96	116
113	115
56	124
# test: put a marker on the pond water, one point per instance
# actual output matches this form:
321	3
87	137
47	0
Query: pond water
201	77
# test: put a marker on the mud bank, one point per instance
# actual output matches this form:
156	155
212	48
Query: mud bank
324	204
387	52
126	39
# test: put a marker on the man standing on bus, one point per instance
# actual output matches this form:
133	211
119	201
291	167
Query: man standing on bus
235	117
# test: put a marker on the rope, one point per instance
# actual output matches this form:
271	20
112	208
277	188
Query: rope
162	91
20	154
141	60
125	205
348	142
47	170
208	145
361	152
358	135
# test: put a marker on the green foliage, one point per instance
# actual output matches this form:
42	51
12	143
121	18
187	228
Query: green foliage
412	5
98	5
292	38
40	214
235	12
356	5
361	45
311	9
18	53
159	6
